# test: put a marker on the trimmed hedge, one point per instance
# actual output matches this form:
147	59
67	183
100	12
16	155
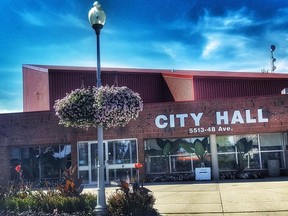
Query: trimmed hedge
49	202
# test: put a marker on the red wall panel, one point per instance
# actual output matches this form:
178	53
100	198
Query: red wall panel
35	90
151	87
212	88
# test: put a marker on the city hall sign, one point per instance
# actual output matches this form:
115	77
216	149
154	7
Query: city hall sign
223	119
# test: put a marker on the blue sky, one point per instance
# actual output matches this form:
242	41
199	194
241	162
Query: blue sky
225	35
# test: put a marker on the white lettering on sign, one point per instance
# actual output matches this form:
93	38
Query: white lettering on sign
196	118
182	119
172	122
161	121
248	117
237	118
260	116
222	118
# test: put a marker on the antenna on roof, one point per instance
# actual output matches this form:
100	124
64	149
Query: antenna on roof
272	60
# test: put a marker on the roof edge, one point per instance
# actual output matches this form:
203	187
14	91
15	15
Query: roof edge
164	72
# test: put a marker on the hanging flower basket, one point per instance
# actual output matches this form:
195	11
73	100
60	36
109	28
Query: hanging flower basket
90	107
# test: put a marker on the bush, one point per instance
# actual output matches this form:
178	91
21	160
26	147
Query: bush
49	202
17	198
124	202
33	213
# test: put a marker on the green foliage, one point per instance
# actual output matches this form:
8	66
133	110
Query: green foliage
19	204
243	147
48	202
168	146
72	184
131	200
200	151
16	189
19	198
200	148
138	203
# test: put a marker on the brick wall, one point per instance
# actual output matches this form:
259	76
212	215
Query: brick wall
42	128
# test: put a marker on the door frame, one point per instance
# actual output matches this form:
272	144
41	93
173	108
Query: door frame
89	167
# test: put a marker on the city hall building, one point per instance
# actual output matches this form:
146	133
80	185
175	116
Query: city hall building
181	108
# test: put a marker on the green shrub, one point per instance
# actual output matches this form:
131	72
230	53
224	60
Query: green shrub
72	186
49	202
138	202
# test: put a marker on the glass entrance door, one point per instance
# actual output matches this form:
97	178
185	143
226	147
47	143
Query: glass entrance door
88	161
120	157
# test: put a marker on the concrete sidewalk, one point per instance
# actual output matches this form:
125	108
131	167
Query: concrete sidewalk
230	198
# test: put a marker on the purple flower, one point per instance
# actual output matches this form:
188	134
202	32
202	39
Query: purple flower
109	106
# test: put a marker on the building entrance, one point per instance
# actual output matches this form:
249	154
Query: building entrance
120	157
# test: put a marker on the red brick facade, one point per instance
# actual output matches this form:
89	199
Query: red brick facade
42	128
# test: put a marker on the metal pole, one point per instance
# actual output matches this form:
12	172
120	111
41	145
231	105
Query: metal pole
101	208
97	30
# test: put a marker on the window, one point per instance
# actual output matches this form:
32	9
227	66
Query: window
40	162
271	142
272	148
174	155
264	147
122	152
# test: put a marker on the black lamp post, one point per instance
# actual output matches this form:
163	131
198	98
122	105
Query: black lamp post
97	18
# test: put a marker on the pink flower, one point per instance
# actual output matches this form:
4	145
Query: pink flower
18	168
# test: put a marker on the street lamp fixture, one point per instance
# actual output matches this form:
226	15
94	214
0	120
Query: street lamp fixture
97	18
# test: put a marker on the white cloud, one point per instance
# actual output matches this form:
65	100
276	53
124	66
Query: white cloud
231	20
171	49
211	46
72	21
31	18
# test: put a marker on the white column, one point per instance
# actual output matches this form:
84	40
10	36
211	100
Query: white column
214	157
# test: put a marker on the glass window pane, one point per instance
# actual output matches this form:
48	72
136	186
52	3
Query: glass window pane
197	162
158	165
227	161
83	154
133	148
247	151
249	137
94	154
166	148
225	143
152	148
253	161
84	175
125	174
265	156
122	152
181	163
40	162
271	141
52	164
